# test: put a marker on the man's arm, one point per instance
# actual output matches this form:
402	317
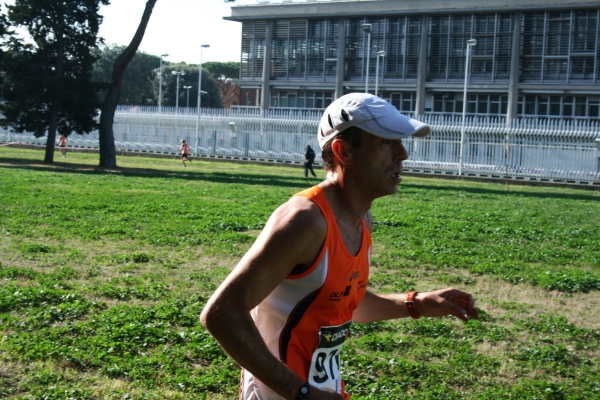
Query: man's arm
293	236
378	307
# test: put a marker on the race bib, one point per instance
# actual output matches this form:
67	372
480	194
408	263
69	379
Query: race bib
325	366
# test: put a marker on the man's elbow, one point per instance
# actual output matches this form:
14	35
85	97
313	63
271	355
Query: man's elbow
215	318
209	317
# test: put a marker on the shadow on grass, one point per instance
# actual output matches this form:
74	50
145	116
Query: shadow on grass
509	193
259	179
195	175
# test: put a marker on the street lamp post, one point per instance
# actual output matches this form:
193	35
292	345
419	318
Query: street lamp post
470	43
204	46
379	54
178	74
160	84
187	97
367	29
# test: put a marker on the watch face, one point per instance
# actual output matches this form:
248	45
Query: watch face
304	390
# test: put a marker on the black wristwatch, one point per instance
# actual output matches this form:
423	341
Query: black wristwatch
303	391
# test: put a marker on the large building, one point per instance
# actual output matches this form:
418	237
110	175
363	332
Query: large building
533	58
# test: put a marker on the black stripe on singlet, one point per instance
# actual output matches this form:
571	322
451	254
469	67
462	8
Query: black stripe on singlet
293	321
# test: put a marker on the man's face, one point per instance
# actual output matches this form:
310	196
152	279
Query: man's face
377	164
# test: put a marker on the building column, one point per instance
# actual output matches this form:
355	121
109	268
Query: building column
341	60
513	80
266	75
422	67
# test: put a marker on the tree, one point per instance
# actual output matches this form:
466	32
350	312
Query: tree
211	99
108	156
222	70
225	74
48	83
4	31
138	79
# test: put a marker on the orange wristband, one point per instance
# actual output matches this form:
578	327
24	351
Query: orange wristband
410	305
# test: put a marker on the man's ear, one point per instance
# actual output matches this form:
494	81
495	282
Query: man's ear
340	150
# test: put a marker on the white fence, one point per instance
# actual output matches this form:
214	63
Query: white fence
551	150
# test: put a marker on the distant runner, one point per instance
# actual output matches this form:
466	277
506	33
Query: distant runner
185	151
62	143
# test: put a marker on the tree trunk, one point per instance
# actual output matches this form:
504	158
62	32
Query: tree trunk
108	156
55	106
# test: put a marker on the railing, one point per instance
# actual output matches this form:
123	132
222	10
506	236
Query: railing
551	150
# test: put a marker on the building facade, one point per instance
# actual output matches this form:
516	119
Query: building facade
540	60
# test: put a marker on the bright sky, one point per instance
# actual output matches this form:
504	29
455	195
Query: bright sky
176	27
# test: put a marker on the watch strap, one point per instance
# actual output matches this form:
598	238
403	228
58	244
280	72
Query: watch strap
410	305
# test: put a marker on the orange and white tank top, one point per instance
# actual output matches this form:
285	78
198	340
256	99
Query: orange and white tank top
185	149
306	319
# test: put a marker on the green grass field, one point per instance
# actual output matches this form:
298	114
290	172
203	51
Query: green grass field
103	275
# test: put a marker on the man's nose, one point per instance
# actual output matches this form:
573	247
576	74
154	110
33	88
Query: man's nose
400	152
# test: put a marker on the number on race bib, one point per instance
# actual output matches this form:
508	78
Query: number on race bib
325	367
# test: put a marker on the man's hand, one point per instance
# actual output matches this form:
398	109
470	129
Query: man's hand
446	302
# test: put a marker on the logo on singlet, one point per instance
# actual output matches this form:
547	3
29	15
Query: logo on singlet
336	296
354	275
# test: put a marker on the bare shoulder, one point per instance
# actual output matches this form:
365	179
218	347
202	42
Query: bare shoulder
300	216
293	235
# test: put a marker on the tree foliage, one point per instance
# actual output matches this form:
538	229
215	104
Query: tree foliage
138	79
210	99
4	32
222	70
48	84
141	79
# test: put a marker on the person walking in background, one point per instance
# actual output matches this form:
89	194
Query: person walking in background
309	158
62	143
185	150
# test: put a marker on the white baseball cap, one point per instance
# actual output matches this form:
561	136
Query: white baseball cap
369	113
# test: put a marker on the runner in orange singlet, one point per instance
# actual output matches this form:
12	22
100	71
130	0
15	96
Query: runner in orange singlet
286	309
62	142
185	151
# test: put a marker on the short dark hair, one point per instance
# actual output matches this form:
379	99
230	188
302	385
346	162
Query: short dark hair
351	135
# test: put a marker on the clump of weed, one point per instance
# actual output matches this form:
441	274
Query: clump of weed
27	248
152	291
390	282
12	273
556	357
34	250
134	257
65	273
92	272
453	279
479	331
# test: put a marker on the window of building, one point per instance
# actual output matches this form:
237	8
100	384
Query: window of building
399	37
490	58
302	49
556	106
300	99
404	101
560	46
253	50
480	104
